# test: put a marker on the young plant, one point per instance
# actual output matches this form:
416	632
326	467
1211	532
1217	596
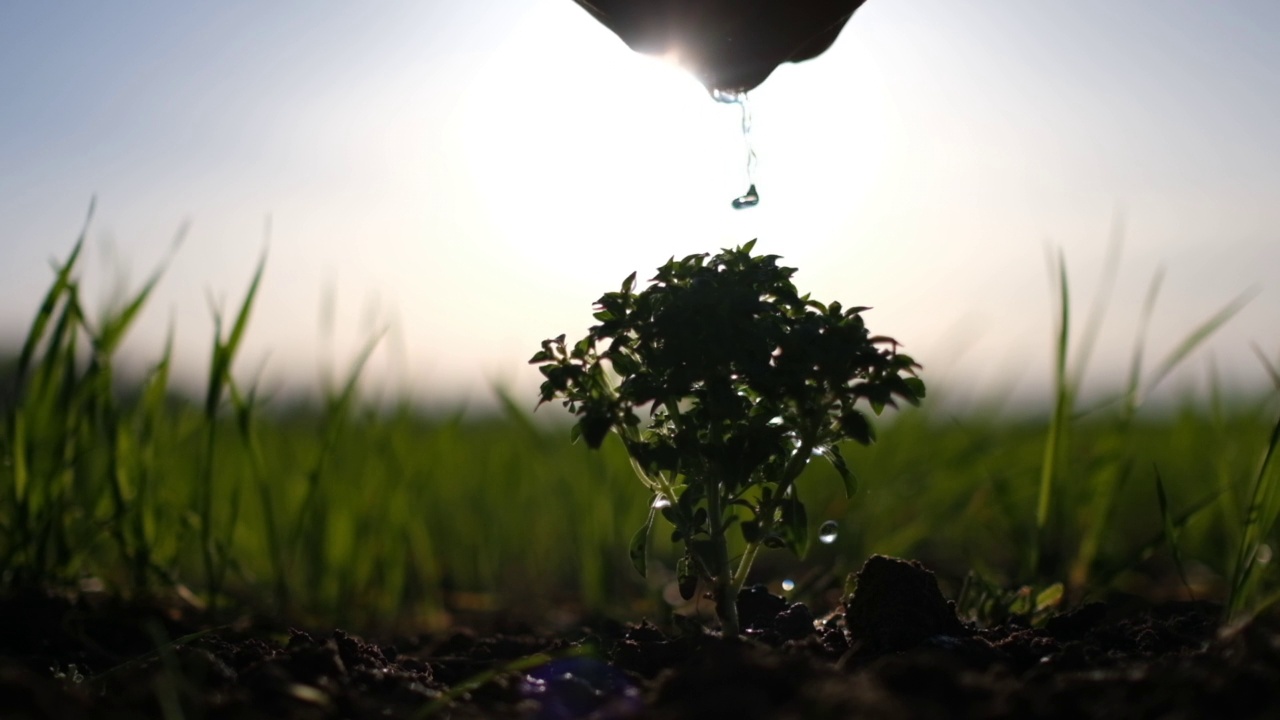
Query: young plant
744	381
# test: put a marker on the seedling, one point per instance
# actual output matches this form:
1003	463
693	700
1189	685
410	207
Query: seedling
744	381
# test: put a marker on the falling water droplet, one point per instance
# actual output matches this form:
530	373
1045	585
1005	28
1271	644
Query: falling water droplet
828	533
751	198
660	502
788	585
1265	554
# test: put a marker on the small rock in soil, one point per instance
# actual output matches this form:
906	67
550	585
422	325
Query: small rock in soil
897	606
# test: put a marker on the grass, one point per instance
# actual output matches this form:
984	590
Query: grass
402	517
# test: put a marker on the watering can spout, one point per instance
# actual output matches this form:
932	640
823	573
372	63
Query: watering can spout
729	45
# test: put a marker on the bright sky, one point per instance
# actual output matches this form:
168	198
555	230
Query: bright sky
475	174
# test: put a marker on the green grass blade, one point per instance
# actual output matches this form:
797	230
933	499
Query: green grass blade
1171	533
1273	372
1133	386
1198	336
1259	520
60	285
114	327
224	350
341	405
1101	300
1061	412
232	344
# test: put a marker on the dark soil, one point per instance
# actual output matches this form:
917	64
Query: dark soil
895	650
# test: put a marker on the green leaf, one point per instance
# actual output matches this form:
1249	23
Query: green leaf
832	454
1049	597
672	515
900	387
796	520
699	519
624	364
704	551
855	426
594	428
686	577
639	549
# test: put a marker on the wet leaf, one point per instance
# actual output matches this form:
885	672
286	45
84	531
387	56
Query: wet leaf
686	578
832	454
639	550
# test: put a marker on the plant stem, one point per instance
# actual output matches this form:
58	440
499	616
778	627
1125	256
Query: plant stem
744	566
789	475
723	582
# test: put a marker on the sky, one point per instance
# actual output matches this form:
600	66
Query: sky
470	177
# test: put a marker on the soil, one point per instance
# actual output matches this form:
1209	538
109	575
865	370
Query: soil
895	650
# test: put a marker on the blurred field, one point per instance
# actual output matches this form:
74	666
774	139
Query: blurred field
406	518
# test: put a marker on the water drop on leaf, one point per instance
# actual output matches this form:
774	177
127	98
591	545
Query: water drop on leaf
788	585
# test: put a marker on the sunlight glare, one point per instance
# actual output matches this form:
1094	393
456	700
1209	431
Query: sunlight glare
596	156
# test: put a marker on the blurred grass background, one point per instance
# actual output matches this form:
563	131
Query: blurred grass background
341	511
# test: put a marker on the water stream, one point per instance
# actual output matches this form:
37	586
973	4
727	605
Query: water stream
751	197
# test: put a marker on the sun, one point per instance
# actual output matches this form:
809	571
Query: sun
581	161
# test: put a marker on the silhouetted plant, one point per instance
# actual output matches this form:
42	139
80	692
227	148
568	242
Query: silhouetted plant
744	380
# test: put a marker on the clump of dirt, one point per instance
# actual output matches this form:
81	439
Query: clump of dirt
895	649
896	606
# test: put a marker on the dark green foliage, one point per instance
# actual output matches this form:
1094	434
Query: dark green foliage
743	380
